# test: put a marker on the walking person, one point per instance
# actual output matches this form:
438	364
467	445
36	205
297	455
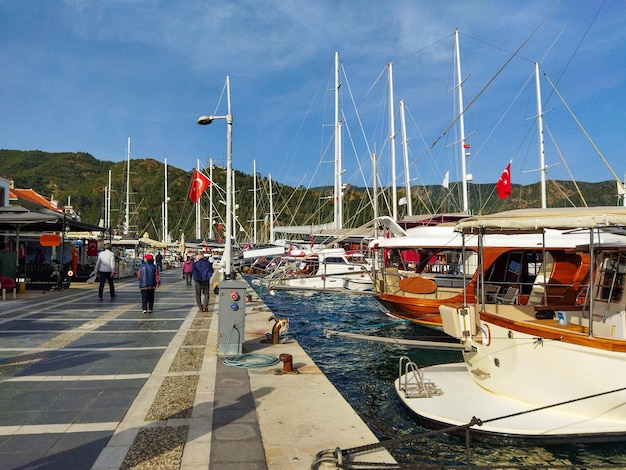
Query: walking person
188	270
149	280
105	268
159	261
202	272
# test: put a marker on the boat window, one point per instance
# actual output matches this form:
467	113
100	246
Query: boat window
611	278
515	268
442	262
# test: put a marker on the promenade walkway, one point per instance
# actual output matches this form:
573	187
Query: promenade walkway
97	385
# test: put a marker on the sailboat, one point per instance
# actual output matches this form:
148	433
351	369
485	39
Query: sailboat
330	267
555	375
423	267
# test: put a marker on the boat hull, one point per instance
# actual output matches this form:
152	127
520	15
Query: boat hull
510	358
464	401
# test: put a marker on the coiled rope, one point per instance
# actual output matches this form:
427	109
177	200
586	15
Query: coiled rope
250	361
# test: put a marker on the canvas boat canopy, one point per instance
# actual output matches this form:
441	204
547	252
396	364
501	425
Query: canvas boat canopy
536	220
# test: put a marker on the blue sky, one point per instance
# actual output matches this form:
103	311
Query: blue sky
80	75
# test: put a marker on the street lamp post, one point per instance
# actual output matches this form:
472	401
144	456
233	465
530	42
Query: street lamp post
205	120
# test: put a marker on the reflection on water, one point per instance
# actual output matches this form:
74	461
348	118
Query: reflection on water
364	372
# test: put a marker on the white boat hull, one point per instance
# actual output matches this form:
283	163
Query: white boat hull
542	372
359	282
463	400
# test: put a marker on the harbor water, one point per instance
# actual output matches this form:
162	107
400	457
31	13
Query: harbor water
364	371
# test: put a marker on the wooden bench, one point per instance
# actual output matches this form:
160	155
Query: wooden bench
7	283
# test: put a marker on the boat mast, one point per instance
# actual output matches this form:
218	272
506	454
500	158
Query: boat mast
392	144
272	239
338	205
107	207
405	152
234	209
464	147
375	184
254	214
127	213
542	163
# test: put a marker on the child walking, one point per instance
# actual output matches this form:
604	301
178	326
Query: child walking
188	270
149	280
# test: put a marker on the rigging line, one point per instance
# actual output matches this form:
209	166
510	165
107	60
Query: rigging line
382	73
358	115
506	112
595	147
411	54
581	41
557	37
490	81
558	150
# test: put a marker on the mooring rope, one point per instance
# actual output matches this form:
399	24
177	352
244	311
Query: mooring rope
341	455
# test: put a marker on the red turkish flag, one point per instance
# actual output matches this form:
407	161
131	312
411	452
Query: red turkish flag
503	186
199	183
92	248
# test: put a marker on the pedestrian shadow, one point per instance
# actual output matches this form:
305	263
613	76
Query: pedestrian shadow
238	410
39	363
76	451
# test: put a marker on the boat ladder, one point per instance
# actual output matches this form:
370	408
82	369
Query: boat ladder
412	383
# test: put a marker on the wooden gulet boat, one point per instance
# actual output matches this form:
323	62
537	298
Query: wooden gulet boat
553	375
418	271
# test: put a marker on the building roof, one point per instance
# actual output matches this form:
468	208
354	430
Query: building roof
31	199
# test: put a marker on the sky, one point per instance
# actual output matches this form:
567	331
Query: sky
83	76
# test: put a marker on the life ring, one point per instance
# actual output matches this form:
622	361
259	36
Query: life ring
70	273
486	334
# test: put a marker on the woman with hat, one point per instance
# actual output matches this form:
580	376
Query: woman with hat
149	280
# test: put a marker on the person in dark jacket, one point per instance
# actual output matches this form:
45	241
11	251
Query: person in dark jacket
159	261
149	280
202	272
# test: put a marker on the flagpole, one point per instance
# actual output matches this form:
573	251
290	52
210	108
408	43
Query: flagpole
198	223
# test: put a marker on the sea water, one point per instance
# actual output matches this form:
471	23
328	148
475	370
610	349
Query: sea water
364	371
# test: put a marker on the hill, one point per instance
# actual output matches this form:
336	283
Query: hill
80	179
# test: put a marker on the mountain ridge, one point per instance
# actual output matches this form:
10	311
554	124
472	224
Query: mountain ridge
78	178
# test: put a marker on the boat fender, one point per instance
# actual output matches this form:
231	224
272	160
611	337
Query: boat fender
544	314
486	334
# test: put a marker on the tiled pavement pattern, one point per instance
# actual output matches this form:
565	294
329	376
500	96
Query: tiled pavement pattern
87	384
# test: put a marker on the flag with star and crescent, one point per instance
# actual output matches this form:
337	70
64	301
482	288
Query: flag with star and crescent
199	183
503	186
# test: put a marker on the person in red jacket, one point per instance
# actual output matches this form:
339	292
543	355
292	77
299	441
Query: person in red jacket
149	280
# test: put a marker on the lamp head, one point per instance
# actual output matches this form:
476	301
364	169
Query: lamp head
204	120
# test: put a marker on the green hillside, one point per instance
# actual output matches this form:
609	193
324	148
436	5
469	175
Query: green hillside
80	179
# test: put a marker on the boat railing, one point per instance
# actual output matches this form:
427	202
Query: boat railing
411	380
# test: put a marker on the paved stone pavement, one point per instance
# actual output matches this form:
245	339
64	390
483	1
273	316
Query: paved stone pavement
98	385
72	369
